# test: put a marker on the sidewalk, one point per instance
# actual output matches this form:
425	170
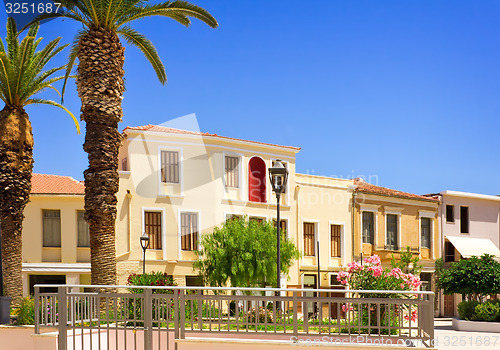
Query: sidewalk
446	338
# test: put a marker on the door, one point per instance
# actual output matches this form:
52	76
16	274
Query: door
310	283
449	305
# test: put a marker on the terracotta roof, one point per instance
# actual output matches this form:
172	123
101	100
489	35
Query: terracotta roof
365	187
55	184
158	128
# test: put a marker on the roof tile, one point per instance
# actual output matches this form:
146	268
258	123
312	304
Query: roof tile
365	187
55	184
159	128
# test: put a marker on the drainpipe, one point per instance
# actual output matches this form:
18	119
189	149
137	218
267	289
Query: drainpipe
129	229
353	208
297	190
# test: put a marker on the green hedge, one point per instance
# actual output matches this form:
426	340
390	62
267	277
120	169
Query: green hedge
488	311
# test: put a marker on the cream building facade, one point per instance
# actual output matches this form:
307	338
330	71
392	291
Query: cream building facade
176	185
55	236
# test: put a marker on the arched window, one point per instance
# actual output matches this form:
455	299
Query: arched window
257	180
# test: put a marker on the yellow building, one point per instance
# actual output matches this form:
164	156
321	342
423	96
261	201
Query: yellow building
387	221
55	236
176	185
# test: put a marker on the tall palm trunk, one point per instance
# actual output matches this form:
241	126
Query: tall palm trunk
100	87
16	164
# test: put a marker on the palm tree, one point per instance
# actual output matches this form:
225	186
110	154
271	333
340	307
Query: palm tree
22	75
100	86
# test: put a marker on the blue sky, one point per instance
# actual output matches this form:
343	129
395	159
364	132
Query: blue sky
406	92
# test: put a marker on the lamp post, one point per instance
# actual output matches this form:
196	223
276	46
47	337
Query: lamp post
278	175
144	245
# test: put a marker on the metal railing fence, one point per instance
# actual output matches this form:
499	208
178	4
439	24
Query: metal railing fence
137	317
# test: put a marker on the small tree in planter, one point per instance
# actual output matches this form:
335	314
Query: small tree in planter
475	278
372	276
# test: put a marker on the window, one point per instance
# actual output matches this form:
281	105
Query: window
45	279
256	219
368	227
152	227
233	217
194	281
232	173
392	232
279	178
283	226
450	213
170	167
189	231
464	219
425	232
449	252
257	180
124	164
426	279
52	228
335	240
309	241
83	230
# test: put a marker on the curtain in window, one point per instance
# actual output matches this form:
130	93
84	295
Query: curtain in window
51	228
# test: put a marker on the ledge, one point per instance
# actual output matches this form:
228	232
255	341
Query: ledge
475	326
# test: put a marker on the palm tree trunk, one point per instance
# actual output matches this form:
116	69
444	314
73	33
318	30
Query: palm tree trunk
100	87
16	165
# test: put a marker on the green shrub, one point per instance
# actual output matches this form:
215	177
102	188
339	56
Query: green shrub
466	309
488	311
26	312
158	279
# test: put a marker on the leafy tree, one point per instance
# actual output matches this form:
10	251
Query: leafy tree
243	253
407	263
22	75
100	85
475	277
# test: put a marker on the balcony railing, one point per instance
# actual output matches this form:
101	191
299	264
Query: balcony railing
154	317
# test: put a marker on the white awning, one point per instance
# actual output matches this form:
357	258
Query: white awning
468	247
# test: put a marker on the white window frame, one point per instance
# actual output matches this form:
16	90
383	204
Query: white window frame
287	224
181	169
398	213
269	190
163	228
179	230
446	216
342	241
240	171
374	209
430	215
316	239
77	230
468	220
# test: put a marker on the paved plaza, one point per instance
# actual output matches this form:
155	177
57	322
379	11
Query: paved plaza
447	338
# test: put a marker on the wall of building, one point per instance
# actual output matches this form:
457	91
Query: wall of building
68	260
201	190
483	217
409	213
324	202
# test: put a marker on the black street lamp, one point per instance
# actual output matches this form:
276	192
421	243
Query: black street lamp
278	175
144	245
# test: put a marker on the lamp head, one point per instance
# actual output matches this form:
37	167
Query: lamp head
144	241
278	175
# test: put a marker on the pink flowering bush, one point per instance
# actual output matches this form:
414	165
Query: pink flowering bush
372	276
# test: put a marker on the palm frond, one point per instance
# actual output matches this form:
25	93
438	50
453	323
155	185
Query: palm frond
53	103
12	42
73	53
147	48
